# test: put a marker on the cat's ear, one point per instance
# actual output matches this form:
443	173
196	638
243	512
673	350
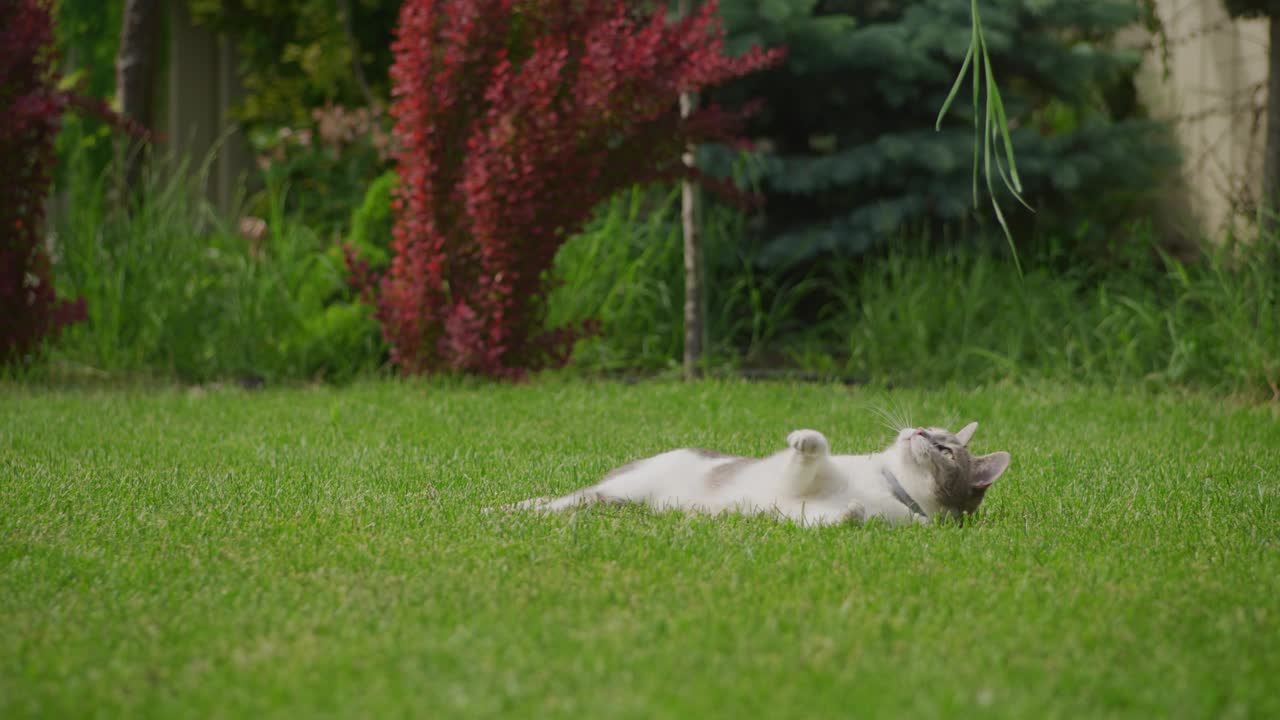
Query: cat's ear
988	468
966	432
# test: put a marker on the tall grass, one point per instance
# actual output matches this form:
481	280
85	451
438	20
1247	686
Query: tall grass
964	315
626	270
174	290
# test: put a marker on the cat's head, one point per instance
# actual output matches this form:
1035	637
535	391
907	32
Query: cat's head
961	479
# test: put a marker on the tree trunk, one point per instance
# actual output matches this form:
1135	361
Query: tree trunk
692	261
135	72
693	315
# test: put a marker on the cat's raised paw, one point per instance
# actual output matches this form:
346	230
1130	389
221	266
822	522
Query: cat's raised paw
808	442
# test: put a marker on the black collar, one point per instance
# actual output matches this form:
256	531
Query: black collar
901	494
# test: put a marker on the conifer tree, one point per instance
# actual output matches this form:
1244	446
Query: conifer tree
847	151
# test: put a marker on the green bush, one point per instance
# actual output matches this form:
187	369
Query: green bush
371	222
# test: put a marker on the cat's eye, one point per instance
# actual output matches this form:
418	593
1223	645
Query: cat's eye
945	450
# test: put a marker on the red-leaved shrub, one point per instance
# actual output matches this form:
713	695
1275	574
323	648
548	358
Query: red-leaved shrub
30	114
514	118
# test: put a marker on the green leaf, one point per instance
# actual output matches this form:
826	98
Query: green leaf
775	10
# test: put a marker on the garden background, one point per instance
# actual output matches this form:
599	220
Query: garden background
277	148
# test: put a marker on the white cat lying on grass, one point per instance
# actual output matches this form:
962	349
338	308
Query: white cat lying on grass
926	473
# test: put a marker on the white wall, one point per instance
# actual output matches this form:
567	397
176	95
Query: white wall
1215	92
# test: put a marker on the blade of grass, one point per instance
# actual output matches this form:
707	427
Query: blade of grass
996	127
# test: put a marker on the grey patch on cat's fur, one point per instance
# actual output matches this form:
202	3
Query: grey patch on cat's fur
958	496
723	474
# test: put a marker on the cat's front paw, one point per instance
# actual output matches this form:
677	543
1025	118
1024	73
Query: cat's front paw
808	442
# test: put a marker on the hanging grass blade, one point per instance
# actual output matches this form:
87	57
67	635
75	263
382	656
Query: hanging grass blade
991	190
1010	178
977	127
993	127
955	88
1002	124
969	57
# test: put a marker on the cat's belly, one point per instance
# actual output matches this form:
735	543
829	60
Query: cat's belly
751	487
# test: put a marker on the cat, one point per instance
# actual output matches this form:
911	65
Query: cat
926	474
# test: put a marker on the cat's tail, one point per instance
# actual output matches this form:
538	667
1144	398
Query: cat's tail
550	503
536	503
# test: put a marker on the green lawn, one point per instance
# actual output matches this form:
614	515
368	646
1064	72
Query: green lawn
320	552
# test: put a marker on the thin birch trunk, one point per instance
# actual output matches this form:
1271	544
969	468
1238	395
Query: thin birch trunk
693	315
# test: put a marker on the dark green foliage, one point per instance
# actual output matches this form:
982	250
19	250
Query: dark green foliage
315	79
326	165
849	156
1253	8
88	37
299	54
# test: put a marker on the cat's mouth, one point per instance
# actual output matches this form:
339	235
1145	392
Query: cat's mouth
915	442
913	438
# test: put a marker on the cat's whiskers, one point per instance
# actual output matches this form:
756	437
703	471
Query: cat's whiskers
904	416
890	418
897	416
